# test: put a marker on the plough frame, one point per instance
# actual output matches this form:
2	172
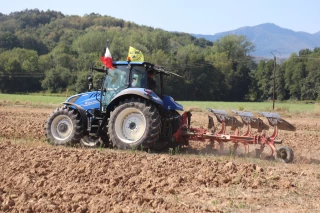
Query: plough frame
284	153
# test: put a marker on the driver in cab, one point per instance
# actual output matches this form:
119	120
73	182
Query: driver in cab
151	82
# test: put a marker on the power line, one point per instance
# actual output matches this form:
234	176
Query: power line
307	57
22	76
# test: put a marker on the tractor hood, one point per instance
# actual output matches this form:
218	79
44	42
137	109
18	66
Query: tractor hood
88	100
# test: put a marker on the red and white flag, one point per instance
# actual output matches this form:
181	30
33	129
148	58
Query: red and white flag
107	59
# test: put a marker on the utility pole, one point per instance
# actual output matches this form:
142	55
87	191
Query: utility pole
274	80
274	75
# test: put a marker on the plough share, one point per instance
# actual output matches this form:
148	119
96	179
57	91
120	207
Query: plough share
283	153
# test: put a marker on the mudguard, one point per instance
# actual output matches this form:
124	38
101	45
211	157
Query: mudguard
82	112
84	102
170	104
144	93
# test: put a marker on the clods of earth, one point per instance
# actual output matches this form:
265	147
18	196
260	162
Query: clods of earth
38	177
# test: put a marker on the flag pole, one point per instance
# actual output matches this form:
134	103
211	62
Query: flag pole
105	47
107	44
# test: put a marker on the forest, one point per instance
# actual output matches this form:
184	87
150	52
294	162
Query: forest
49	51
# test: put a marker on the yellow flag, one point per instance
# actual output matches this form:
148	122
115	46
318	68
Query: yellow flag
135	55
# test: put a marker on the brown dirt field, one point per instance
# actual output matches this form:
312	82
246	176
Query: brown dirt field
37	177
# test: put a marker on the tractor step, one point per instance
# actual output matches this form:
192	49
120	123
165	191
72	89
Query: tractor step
95	125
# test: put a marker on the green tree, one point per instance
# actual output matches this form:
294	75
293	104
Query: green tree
8	41
92	42
20	71
295	70
263	76
237	48
230	54
31	42
56	79
281	91
310	89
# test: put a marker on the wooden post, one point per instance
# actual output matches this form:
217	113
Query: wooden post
274	80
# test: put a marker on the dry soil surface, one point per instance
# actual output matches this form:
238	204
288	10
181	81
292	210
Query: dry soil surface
38	177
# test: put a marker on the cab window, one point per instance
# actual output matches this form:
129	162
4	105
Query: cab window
117	78
138	77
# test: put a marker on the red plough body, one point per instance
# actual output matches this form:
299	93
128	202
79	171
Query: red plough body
284	153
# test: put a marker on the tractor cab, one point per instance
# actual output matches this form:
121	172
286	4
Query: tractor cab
140	78
128	75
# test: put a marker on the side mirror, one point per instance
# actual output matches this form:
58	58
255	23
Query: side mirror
90	83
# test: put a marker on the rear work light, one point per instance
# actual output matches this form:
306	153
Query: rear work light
148	91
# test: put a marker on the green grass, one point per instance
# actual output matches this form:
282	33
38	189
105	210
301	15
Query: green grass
290	107
34	99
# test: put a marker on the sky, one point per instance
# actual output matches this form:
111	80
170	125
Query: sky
199	17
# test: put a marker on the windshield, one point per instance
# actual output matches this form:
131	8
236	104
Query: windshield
116	80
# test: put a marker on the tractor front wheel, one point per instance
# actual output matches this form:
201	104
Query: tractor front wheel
63	127
134	123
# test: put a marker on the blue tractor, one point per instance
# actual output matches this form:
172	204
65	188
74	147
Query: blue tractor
128	110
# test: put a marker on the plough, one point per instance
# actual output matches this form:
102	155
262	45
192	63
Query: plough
283	153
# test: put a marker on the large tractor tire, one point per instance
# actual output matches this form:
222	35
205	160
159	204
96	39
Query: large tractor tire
134	124
64	127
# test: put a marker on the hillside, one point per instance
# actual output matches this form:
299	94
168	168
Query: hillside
50	51
268	37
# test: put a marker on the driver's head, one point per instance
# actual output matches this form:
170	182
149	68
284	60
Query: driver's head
150	74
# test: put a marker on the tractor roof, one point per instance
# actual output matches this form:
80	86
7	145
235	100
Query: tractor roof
130	62
156	68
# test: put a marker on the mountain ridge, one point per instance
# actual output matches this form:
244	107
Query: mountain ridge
268	37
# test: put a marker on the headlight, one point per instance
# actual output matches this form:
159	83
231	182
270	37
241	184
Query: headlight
73	99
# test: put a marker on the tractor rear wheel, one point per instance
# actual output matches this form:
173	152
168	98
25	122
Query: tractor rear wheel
134	123
284	154
64	127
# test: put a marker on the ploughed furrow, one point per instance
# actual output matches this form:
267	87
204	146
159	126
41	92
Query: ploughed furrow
61	179
37	177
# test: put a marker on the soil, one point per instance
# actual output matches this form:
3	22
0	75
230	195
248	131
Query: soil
38	177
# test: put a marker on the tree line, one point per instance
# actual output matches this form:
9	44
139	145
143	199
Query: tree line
50	51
